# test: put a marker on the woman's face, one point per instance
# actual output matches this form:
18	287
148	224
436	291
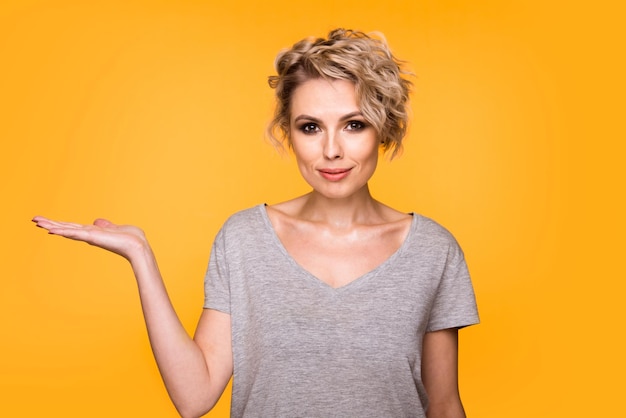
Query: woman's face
336	149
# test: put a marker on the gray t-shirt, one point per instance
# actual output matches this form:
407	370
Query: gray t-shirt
304	349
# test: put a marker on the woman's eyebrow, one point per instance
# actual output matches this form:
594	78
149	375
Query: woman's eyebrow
305	117
351	115
314	119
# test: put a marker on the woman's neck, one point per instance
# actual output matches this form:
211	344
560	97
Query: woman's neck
358	209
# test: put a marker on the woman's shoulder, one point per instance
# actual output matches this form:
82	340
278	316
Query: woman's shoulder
432	232
243	220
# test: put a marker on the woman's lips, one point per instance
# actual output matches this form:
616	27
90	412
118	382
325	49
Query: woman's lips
334	174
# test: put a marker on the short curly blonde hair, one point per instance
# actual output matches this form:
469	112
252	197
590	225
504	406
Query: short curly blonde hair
381	86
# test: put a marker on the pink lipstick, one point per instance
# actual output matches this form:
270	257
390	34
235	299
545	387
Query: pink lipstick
334	174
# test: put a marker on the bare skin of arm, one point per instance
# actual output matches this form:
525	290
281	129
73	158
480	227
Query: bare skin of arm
195	371
440	374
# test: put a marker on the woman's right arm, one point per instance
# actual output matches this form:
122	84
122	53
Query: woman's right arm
195	371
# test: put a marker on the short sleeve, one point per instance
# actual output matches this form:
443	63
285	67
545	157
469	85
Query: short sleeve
216	280
454	305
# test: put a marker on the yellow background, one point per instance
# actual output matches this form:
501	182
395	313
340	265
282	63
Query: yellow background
153	114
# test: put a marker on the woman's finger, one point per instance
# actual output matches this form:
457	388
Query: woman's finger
42	221
103	223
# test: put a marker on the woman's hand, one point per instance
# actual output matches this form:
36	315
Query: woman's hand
125	240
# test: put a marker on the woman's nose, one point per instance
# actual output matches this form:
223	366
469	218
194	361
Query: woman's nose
332	146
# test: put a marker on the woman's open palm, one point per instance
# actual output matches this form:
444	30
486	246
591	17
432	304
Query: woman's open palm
124	240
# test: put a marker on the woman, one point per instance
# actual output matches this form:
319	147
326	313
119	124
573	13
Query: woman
329	304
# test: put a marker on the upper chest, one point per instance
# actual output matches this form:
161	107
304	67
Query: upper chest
338	257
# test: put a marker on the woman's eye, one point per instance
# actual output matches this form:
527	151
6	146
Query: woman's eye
355	125
309	128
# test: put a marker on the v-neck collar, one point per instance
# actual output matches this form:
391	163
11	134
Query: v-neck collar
355	283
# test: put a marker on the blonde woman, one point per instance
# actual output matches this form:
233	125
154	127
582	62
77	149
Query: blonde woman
328	304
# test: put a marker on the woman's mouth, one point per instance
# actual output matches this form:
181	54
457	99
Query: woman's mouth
334	174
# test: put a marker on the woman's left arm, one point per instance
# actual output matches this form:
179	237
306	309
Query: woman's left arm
440	374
